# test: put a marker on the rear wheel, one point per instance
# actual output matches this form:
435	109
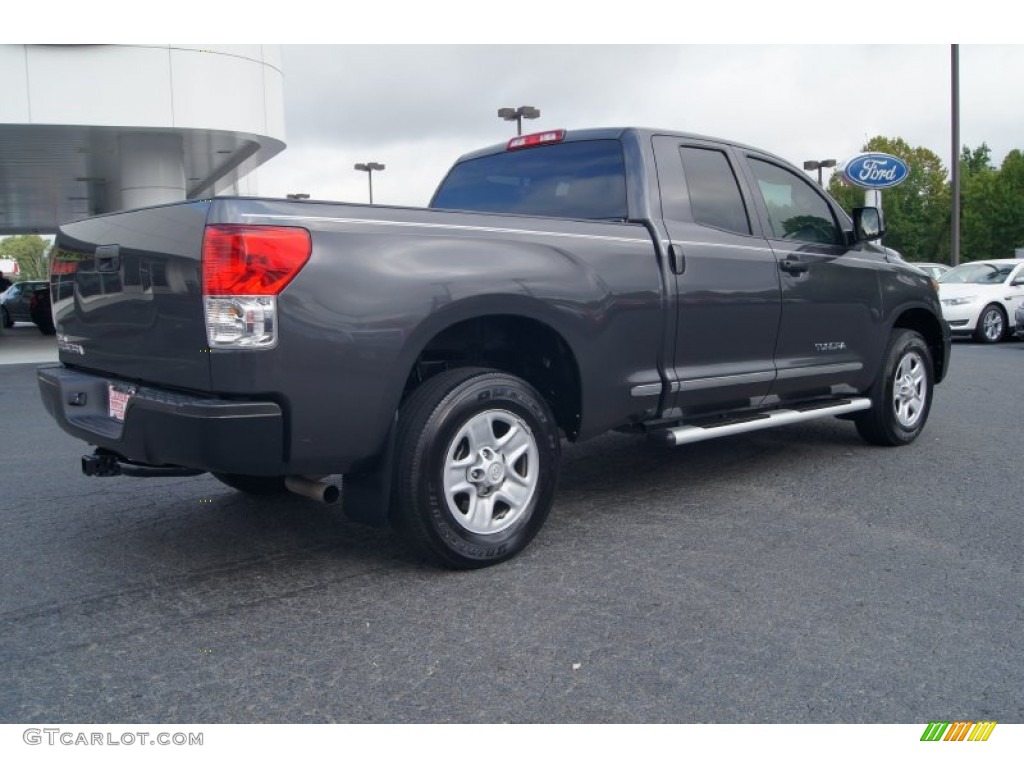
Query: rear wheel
901	396
6	318
476	467
256	485
991	325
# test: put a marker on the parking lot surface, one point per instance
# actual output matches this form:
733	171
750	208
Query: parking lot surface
796	575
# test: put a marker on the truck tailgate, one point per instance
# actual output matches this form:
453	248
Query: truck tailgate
127	295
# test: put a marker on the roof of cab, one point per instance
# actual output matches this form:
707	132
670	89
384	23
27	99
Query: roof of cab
592	134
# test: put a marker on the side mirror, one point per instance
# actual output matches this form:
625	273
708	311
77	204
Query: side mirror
867	224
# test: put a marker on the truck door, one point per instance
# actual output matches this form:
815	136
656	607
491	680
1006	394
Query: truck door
831	299
726	287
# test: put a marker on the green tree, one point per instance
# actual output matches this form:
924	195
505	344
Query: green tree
991	215
977	189
1004	206
30	253
976	160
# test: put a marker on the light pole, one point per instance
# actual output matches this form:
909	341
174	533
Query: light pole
517	114
817	165
370	168
954	77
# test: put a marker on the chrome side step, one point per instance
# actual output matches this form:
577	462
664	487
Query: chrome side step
765	420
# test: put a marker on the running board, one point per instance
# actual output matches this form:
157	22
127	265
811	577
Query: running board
779	418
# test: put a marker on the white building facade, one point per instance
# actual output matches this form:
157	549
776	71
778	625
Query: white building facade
88	129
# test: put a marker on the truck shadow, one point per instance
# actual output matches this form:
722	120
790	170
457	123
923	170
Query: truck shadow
194	529
632	464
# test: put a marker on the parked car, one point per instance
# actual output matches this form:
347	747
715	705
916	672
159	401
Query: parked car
932	269
17	304
980	297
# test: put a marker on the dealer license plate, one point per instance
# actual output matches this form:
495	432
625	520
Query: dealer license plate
118	396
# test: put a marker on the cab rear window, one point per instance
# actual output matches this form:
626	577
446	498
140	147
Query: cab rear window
574	180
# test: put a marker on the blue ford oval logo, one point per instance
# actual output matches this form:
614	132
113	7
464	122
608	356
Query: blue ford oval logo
875	170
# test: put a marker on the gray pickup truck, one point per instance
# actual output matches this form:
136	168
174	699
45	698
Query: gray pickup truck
560	285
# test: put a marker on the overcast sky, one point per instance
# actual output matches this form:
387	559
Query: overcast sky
416	108
421	95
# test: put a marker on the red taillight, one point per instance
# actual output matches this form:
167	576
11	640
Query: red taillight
533	139
240	260
59	266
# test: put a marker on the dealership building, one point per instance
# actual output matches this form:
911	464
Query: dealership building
88	129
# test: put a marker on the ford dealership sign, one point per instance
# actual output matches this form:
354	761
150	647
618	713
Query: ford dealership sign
875	170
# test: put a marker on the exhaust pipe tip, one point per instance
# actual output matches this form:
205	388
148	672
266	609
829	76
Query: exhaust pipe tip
325	493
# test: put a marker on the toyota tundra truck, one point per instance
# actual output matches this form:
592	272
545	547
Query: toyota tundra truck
559	285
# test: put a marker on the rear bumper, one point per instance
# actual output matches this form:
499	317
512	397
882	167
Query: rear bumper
168	428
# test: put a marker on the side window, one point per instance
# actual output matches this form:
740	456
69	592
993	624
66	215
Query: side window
796	210
715	197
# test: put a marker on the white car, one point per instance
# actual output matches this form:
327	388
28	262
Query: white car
981	298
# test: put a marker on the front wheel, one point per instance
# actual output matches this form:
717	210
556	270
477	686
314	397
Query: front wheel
476	467
991	325
901	396
6	318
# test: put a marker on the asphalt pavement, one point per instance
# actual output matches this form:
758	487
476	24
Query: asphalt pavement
23	343
795	575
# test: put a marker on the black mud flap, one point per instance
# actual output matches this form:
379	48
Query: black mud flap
366	496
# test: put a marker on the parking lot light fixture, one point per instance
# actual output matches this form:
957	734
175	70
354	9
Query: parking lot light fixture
517	114
370	168
817	165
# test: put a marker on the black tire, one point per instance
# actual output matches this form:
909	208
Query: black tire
474	423
901	396
7	318
991	325
257	485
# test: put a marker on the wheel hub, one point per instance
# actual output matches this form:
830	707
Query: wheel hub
491	471
488	471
